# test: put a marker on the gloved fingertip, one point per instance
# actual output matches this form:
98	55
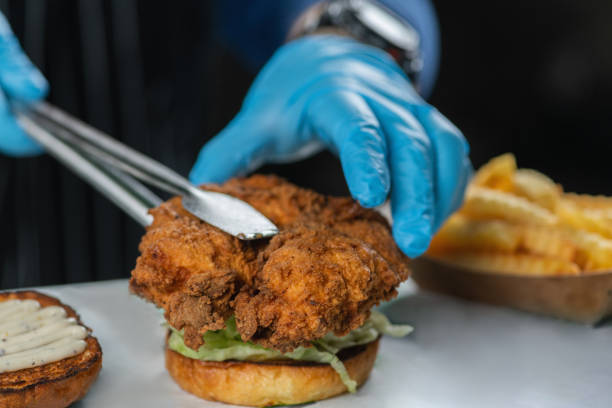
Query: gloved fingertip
194	176
38	87
367	176
371	202
412	238
28	88
200	174
216	162
372	196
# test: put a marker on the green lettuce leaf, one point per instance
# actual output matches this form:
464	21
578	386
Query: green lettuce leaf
226	344
376	325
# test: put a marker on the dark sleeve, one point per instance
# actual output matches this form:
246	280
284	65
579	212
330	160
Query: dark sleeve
254	29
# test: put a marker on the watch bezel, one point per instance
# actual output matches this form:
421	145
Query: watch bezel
348	15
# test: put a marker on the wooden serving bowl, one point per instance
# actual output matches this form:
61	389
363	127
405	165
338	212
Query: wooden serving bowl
584	298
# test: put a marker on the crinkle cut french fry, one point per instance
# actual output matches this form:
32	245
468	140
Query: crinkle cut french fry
464	234
484	203
546	241
497	173
593	252
595	202
603	214
583	219
537	188
598	207
461	233
511	264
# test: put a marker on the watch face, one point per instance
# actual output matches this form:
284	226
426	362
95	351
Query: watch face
386	24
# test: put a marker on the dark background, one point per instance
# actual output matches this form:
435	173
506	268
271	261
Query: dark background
533	78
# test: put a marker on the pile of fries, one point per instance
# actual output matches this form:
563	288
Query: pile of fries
520	222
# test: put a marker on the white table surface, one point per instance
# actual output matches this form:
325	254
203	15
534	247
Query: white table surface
460	355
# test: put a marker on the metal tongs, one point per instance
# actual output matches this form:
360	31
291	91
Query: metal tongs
112	168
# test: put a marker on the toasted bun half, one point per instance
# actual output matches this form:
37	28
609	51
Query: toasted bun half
268	383
53	385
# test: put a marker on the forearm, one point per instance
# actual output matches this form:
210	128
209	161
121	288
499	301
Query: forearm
253	30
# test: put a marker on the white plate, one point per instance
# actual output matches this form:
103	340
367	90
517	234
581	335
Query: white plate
460	355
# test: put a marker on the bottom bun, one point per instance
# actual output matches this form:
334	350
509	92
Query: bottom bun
268	383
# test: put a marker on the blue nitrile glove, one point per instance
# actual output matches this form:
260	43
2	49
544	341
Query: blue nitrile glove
354	99
21	81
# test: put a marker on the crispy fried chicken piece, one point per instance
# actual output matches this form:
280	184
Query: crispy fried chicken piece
313	280
332	261
190	269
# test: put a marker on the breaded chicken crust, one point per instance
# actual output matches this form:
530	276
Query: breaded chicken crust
331	262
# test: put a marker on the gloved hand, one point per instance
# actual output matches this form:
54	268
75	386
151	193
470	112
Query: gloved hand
19	80
354	99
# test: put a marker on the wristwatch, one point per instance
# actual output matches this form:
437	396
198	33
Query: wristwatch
370	22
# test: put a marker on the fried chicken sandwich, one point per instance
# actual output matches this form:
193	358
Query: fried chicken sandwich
280	321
